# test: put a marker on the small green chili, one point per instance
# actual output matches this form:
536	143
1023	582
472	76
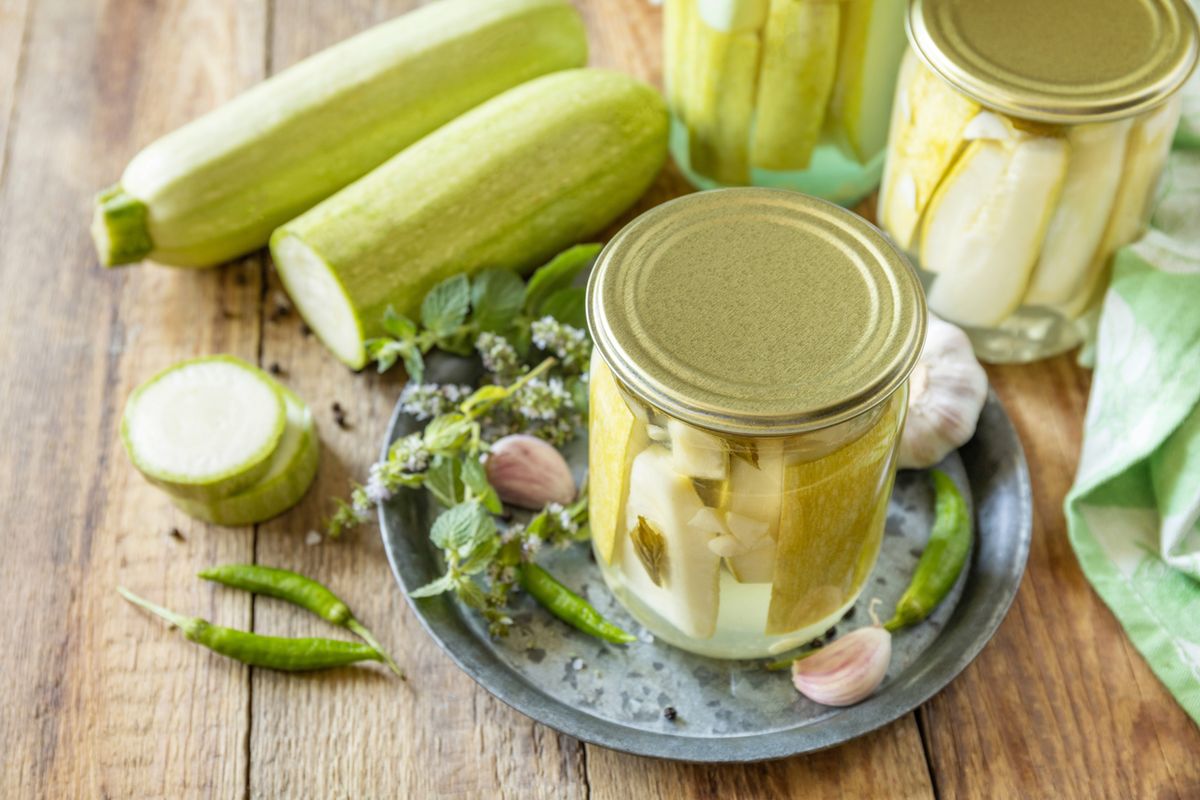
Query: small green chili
298	590
943	559
785	662
568	606
271	652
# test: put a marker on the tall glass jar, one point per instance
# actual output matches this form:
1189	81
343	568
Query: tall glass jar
794	94
1026	145
749	384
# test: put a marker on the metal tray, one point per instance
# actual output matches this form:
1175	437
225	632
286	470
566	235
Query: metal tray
727	711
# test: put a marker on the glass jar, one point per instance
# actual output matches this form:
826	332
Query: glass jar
794	94
1026	145
749	384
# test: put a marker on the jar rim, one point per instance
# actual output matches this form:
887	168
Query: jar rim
756	312
1058	61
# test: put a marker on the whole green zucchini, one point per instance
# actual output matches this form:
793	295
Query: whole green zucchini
508	184
216	188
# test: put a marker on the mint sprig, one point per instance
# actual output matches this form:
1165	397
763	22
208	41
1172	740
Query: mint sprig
532	341
496	301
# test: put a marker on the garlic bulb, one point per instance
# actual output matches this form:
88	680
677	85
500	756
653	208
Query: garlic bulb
947	391
847	671
528	472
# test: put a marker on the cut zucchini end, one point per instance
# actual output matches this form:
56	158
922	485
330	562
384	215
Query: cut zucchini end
204	428
119	228
319	297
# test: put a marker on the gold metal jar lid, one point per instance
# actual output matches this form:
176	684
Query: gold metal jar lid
1058	61
756	311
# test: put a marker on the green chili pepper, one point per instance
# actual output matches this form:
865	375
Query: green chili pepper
785	662
568	606
271	652
943	559
297	590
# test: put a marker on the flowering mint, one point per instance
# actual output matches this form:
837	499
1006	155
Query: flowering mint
427	400
542	399
499	357
570	345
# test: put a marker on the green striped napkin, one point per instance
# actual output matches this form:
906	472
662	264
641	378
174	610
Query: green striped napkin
1134	511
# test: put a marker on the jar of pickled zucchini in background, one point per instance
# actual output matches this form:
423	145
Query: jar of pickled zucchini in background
794	94
749	383
1026	145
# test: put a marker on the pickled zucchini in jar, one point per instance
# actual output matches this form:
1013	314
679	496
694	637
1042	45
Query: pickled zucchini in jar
736	547
748	388
1013	193
788	93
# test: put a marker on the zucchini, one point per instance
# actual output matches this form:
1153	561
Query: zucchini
204	429
216	188
506	185
291	471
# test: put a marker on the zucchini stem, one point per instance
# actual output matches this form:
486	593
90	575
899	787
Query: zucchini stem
119	227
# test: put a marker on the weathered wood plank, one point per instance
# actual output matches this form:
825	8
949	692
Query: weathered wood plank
13	18
1059	704
100	701
887	763
361	733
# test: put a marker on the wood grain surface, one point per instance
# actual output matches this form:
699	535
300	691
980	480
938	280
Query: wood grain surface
100	701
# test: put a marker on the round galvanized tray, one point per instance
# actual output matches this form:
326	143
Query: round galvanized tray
727	711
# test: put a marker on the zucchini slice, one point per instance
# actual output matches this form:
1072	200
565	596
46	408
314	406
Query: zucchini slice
291	471
205	428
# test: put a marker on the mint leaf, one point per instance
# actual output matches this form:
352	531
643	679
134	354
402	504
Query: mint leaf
398	325
414	362
469	592
446	432
474	477
484	398
497	297
462	528
568	306
442	480
383	352
481	557
434	587
537	524
558	274
446	305
521	339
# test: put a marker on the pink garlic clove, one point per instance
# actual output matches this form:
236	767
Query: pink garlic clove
528	472
847	671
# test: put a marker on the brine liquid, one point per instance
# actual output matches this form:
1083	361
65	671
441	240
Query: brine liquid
740	622
736	548
833	173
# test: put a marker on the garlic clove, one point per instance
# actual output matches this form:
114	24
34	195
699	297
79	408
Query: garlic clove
946	395
846	671
528	472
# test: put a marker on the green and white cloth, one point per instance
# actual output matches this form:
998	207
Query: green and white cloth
1134	511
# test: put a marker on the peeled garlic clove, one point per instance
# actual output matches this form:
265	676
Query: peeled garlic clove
528	472
946	395
847	671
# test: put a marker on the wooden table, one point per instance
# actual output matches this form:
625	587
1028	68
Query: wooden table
98	700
